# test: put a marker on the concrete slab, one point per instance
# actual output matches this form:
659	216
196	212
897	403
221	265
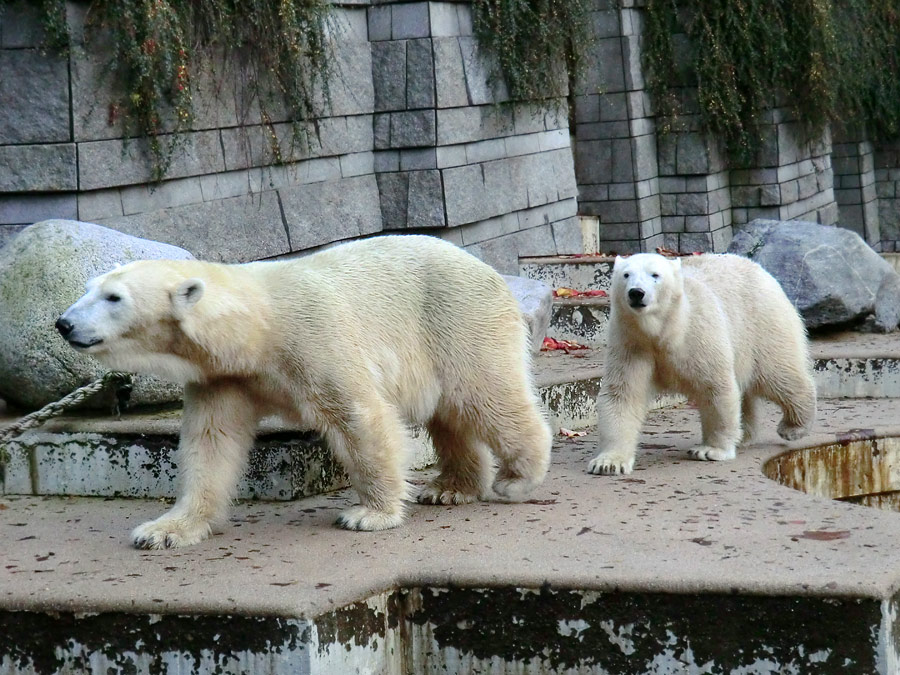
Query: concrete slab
674	525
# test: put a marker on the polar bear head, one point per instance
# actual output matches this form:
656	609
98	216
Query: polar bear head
646	283
179	320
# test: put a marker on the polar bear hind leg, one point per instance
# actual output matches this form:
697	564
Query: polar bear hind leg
465	466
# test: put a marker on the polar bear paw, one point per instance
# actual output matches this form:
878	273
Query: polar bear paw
790	432
514	488
439	494
711	454
170	532
368	520
612	462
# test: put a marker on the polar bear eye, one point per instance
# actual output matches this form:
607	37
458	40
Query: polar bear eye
655	275
625	275
112	297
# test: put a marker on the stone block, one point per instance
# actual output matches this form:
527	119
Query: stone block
464	125
746	195
444	19
357	164
238	229
389	75
25	209
219	185
464	12
468	196
617	212
605	23
769	195
413	129
451	155
420	76
21	25
692	242
351	89
536	241
587	109
417	159
381	134
450	77
622	161
38	168
568	237
631	53
321	213
410	20
112	163
484	151
8	232
379	22
153	197
477	67
393	192
481	231
425	203
644	153
34	90
523	145
692	203
501	253
692	154
807	186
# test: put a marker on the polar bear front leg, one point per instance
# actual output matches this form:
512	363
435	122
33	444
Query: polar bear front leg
621	409
216	434
370	444
720	420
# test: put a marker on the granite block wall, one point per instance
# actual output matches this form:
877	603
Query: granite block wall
410	141
887	189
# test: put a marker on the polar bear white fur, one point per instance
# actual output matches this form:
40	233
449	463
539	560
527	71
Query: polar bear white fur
718	329
357	341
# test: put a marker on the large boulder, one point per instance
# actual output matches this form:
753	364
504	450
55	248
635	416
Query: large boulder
535	300
43	270
830	274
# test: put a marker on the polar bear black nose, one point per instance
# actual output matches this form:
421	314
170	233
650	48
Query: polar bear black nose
635	294
64	326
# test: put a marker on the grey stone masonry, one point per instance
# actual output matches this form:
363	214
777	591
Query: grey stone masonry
411	138
853	166
887	188
616	144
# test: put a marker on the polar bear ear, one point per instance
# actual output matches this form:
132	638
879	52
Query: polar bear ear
676	262
619	261
187	294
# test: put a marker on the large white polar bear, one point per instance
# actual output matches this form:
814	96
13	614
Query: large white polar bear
356	341
718	329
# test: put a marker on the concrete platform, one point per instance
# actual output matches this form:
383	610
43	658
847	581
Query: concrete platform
590	572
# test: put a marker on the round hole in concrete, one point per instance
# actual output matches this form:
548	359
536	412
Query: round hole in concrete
855	469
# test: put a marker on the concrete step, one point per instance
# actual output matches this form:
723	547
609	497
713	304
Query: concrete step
583	320
682	566
582	272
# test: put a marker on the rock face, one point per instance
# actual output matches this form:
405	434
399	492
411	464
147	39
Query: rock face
830	274
42	271
536	302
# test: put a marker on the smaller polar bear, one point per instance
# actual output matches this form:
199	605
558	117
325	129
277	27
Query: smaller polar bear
718	329
356	341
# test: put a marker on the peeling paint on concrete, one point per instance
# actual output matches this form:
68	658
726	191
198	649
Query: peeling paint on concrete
583	320
583	273
641	633
861	377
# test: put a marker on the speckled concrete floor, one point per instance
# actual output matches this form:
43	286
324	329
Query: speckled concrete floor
674	525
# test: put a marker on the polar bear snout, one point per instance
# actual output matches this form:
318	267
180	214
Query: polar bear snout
636	297
64	326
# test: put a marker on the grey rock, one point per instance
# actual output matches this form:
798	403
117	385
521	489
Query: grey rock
42	271
535	300
830	274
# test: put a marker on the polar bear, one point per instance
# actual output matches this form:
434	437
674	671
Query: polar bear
718	329
357	341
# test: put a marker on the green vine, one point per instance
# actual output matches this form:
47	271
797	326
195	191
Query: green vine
534	43
831	61
159	47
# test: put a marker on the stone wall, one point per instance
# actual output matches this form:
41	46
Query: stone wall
412	141
678	189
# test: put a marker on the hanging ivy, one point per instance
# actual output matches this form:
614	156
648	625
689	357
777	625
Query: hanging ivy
831	61
534	43
157	48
